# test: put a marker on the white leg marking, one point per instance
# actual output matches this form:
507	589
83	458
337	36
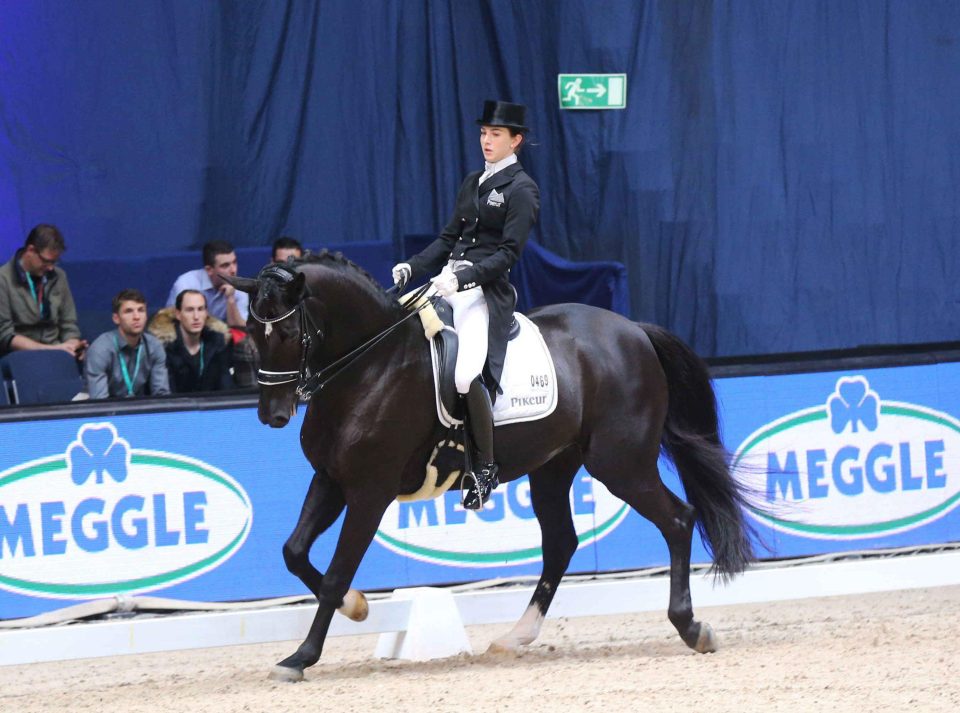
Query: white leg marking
707	641
355	606
524	632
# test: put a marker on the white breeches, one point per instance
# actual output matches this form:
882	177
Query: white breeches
471	319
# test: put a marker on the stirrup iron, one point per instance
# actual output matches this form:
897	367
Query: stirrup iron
477	486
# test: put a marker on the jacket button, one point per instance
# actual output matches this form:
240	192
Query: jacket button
474	240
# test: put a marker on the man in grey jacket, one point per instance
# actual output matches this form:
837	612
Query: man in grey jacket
36	307
127	362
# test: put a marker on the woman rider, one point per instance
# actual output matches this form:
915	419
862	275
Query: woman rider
494	212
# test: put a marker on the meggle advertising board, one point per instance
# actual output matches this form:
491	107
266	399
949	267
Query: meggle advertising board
115	519
842	461
197	505
168	504
504	533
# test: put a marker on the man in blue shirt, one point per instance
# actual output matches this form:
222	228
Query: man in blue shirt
223	302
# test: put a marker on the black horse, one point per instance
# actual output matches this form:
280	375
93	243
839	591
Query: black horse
626	390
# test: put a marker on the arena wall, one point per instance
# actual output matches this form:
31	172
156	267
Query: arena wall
193	500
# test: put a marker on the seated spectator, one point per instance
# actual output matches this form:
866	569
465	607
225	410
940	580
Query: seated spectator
223	302
285	248
198	345
246	362
36	307
125	362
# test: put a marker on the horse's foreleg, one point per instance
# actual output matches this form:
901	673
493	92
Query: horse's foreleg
321	508
550	497
359	527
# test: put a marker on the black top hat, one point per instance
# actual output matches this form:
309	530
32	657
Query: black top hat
497	113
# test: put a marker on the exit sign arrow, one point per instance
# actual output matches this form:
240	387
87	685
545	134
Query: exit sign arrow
592	91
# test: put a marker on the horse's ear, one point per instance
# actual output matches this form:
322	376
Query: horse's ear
244	284
298	287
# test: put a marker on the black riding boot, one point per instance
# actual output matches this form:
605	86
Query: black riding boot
480	422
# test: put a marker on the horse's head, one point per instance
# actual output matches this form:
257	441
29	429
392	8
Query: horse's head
320	313
276	323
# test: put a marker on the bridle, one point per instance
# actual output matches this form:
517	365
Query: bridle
276	378
309	384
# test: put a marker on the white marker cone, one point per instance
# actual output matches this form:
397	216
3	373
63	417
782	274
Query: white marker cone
434	629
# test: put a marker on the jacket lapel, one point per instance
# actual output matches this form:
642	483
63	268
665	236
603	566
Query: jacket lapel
500	178
475	194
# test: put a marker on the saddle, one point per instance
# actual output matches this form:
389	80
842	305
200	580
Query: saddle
445	344
529	380
529	387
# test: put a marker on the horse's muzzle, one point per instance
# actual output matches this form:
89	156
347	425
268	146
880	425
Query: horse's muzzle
277	414
276	421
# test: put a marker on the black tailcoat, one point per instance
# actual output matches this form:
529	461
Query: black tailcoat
490	226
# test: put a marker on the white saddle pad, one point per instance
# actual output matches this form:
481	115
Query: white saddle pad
529	380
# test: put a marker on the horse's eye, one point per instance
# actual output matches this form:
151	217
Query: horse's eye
288	332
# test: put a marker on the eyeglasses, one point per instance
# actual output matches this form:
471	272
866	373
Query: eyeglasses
46	261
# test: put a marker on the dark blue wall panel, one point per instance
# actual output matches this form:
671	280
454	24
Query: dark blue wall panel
784	176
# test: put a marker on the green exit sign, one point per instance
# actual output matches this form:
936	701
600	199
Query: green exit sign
592	91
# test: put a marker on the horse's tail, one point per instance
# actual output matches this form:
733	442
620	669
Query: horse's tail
691	439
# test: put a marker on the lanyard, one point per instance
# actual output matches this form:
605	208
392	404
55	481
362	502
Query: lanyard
201	360
33	291
123	365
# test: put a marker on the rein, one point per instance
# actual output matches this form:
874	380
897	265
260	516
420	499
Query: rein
307	386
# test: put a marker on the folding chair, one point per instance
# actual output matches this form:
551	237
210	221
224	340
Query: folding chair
42	376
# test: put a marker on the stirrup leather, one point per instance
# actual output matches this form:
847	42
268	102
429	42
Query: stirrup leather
477	486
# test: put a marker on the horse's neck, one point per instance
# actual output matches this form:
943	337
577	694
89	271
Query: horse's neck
354	315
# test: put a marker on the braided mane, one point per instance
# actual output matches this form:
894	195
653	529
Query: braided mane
345	265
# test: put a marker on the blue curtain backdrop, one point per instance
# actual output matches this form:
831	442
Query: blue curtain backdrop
784	177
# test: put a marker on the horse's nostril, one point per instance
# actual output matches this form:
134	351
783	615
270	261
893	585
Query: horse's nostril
279	421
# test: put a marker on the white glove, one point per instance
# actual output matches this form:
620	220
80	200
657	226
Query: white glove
401	274
445	283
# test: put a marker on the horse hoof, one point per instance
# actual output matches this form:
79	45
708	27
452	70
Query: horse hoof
501	647
510	644
286	674
706	641
355	606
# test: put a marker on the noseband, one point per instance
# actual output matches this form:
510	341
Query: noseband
308	385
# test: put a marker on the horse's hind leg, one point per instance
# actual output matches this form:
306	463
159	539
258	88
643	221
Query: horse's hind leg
550	497
675	519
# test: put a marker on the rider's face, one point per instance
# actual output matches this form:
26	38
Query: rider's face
497	143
